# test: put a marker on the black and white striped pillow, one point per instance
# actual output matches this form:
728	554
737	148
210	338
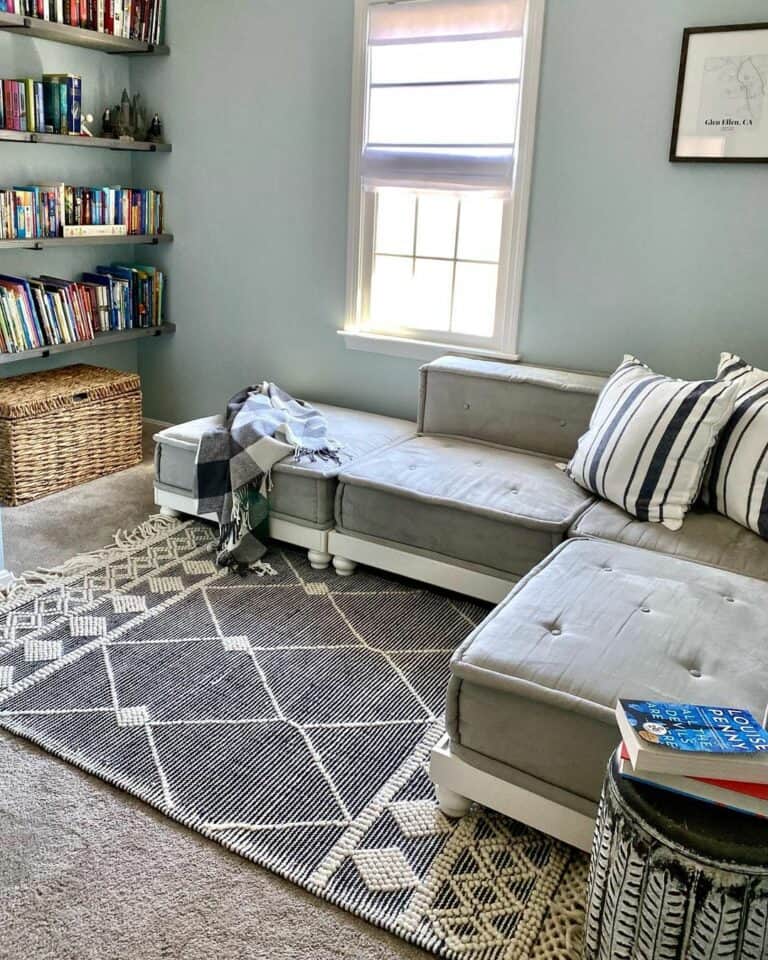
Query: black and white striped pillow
737	484
649	441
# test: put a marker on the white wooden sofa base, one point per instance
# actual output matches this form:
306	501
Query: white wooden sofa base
349	551
6	579
314	541
458	784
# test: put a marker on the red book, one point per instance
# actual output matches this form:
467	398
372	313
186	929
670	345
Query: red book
745	797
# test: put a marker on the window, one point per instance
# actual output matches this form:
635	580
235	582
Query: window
442	131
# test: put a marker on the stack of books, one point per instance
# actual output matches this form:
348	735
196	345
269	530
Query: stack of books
45	211
50	105
131	19
715	754
45	311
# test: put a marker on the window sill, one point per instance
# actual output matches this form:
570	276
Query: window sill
417	349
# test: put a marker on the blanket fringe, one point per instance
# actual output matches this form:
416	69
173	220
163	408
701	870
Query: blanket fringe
25	586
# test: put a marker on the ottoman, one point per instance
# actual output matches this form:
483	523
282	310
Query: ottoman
303	494
530	705
673	878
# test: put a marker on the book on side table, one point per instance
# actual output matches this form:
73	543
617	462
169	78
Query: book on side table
715	754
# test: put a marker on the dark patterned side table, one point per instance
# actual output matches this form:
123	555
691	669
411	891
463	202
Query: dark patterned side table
675	879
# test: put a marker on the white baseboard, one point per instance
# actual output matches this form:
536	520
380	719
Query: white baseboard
157	425
529	808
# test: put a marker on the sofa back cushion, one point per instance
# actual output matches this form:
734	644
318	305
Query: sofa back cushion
512	405
737	485
650	440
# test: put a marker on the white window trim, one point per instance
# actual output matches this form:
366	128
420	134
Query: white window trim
514	242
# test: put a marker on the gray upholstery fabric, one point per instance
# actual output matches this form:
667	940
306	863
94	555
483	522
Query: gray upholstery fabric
465	501
302	491
534	687
705	538
528	408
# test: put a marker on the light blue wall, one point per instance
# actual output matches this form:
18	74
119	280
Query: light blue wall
626	251
103	80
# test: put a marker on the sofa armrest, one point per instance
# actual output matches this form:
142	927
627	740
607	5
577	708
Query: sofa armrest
514	405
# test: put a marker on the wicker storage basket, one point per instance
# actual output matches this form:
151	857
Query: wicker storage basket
65	427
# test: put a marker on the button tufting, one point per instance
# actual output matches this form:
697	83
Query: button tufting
608	569
555	631
696	674
645	609
563	423
467	406
729	600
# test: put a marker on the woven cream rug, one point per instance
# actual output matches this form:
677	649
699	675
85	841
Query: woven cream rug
289	718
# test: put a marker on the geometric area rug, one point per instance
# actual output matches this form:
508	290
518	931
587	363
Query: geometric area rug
290	718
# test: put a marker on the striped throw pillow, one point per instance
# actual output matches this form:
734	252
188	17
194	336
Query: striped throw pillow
737	484
649	441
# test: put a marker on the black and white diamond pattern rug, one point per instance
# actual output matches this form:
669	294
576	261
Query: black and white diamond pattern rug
289	718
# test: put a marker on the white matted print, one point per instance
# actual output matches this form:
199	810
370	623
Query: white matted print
721	114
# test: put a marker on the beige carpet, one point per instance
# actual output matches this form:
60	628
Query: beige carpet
88	873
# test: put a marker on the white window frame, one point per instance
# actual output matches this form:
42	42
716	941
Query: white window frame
515	229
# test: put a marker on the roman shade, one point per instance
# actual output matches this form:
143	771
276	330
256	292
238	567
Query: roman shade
443	91
420	21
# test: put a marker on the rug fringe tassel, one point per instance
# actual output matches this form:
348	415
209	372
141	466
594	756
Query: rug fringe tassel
123	542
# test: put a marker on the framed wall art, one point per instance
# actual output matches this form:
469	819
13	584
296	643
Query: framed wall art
721	113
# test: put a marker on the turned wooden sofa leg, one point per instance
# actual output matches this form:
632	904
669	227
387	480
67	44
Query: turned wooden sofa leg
452	804
319	560
344	567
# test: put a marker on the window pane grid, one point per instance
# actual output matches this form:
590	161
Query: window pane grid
450	292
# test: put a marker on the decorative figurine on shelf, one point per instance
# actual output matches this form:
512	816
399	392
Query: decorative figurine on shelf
138	116
124	129
155	132
107	125
85	125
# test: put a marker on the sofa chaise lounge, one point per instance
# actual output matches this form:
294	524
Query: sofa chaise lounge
593	604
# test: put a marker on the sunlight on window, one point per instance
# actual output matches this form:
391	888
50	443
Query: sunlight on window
419	282
474	114
498	59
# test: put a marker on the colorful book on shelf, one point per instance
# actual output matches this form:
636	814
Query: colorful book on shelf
749	798
694	740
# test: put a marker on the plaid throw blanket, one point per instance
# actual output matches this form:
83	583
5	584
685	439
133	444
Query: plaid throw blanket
263	425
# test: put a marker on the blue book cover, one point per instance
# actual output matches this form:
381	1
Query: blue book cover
697	729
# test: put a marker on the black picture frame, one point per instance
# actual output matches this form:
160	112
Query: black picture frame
687	34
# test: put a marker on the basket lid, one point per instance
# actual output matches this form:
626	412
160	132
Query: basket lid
33	394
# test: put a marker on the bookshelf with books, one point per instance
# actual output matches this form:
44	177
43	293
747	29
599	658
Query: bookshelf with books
48	109
113	26
76	302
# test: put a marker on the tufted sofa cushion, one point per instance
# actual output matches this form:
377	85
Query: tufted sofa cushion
705	538
534	687
469	502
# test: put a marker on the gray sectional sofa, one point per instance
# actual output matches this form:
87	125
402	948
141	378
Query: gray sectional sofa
593	604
